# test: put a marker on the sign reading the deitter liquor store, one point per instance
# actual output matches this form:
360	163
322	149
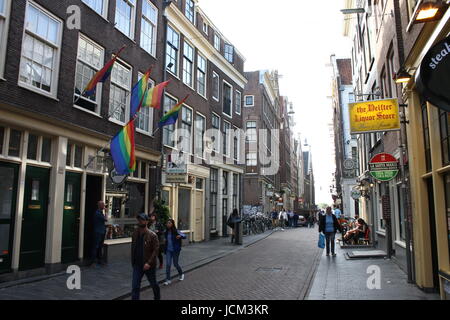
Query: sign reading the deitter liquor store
383	167
374	116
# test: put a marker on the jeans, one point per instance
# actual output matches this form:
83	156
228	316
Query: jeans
169	256
138	273
329	237
97	247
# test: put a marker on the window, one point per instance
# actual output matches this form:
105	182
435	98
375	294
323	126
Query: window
229	52
188	63
148	27
214	186
249	101
251	131
173	43
144	118
445	136
39	148
125	16
447	196
215	86
235	190
89	61
236	142
168	131
216	42
205	27
15	141
119	97
226	138
99	6
225	184
227	99
200	127
40	51
32	147
186	130
216	137
251	159
201	75
4	22
238	102
74	156
190	10
426	136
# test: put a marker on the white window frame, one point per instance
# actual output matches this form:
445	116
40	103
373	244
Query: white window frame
219	137
104	13
218	87
191	137
184	72
203	136
205	28
245	101
151	114
177	64
127	106
175	127
226	54
217	41
231	100
246	131
99	90
56	62
4	36
227	151
200	56
247	158
193	11
154	41
238	136
237	92
132	4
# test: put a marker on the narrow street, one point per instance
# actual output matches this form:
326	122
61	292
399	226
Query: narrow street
279	267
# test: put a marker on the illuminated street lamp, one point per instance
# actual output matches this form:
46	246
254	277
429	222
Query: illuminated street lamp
429	11
402	76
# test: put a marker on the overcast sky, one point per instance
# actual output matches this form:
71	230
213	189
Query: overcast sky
290	36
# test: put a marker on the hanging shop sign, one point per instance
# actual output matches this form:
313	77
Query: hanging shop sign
116	178
433	77
177	178
383	167
356	194
374	116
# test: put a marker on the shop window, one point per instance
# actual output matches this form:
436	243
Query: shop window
32	147
78	157
46	151
136	199
184	205
15	139
447	196
69	155
2	137
426	136
443	123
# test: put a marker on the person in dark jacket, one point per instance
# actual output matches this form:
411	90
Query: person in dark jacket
232	220
144	249
157	228
328	224
172	249
99	221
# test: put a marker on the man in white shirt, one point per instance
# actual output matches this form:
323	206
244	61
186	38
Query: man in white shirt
282	218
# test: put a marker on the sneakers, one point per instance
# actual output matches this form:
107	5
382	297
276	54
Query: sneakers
181	277
167	282
334	254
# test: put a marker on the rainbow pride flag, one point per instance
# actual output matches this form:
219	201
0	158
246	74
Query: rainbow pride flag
101	75
153	96
171	117
138	94
122	150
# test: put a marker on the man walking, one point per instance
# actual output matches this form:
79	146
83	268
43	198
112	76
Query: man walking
328	224
144	250
99	221
282	219
274	218
291	219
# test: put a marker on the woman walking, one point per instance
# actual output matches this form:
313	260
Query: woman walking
173	249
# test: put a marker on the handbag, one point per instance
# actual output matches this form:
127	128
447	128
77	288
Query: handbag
321	242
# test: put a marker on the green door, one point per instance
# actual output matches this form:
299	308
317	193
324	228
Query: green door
71	218
8	193
34	222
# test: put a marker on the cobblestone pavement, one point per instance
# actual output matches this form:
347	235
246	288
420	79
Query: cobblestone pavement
113	281
341	279
279	267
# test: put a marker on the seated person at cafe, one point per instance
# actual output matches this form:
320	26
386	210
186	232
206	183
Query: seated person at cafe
358	231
